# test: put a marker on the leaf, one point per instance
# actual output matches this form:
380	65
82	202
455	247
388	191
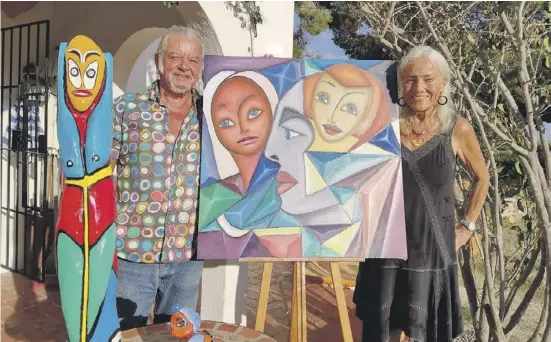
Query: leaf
546	44
548	61
501	107
517	168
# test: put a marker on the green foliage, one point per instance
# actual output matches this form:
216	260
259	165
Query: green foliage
313	21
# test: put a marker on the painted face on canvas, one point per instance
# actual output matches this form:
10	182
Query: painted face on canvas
291	136
241	116
180	326
339	109
85	72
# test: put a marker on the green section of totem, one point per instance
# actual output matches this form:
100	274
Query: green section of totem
101	263
70	261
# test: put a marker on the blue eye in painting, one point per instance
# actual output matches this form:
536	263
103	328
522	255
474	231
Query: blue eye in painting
226	123
290	134
254	113
349	108
323	97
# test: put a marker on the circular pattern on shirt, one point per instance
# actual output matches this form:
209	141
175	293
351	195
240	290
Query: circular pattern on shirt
189	192
190	180
135	257
134	196
190	167
141	208
134	136
158	170
133	125
160	232
158	246
188	204
193	136
133	232
136	220
159	158
192	147
154	207
130	96
170	255
146	115
179	254
145	135
192	217
170	241
182	230
145	146
177	203
180	168
144	158
133	147
124	148
191	157
120	107
170	139
144	183
157	136
148	257
157	184
147	233
181	242
183	217
156	107
144	106
133	244
147	245
122	218
125	196
161	220
134	116
119	243
157	196
133	158
158	116
121	231
159	147
148	221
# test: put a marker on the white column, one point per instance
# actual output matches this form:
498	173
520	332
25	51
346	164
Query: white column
224	292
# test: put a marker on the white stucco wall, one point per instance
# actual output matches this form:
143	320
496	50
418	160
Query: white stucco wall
126	29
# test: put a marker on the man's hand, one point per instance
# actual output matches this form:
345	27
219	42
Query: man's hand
462	236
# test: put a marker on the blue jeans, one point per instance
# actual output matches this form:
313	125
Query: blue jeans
140	285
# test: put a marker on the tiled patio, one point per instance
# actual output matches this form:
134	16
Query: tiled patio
34	314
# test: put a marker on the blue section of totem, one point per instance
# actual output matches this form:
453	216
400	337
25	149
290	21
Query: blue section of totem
99	134
67	131
108	321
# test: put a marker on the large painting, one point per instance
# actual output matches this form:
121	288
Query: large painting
300	159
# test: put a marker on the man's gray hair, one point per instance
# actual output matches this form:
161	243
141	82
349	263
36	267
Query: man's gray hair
177	31
445	112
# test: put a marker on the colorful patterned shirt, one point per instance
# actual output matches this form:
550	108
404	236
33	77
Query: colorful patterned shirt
157	179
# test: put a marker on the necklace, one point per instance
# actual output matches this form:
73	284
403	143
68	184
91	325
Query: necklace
419	139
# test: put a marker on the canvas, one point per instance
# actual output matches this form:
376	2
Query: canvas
300	159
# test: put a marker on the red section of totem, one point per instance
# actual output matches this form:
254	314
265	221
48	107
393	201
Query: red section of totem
101	206
71	213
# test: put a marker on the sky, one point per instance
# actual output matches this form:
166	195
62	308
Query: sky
323	44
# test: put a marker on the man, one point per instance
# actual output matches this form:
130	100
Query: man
156	152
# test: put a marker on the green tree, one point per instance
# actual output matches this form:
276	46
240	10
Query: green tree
313	20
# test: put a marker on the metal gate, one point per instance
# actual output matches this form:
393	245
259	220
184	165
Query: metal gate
29	171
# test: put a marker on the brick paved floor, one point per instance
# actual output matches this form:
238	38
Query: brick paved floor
34	314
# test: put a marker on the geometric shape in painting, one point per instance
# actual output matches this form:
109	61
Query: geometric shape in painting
314	181
358	180
310	68
255	249
368	148
324	233
282	219
212	245
265	169
281	245
386	139
234	246
356	247
239	214
215	199
283	76
350	207
269	205
338	169
343	194
313	248
341	242
278	231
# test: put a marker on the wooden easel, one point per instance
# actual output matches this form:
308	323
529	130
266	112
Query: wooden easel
298	326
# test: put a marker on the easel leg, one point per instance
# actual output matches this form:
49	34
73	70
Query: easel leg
263	297
299	327
341	302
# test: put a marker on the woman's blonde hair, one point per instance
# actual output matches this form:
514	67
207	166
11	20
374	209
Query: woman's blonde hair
446	112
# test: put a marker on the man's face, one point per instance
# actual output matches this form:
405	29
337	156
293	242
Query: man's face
181	63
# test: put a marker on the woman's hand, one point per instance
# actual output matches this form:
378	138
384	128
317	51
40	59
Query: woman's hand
462	236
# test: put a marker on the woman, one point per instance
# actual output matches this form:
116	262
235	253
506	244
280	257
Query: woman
420	296
239	111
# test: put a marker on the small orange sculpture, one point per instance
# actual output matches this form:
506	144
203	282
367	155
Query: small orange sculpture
185	324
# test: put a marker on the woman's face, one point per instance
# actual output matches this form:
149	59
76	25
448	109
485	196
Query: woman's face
291	136
338	109
242	116
422	85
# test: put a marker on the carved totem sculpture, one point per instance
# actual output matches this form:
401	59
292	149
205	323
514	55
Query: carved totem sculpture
85	232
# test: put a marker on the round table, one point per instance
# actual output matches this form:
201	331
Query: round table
221	332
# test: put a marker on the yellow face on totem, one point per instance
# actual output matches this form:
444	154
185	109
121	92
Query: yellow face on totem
85	72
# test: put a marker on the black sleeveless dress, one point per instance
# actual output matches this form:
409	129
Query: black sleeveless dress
419	296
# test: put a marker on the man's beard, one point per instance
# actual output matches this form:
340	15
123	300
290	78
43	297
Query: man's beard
174	88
